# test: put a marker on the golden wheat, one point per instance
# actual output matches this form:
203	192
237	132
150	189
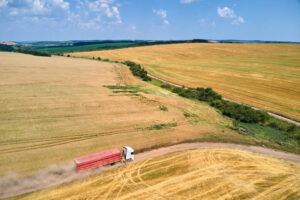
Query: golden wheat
55	109
263	75
194	174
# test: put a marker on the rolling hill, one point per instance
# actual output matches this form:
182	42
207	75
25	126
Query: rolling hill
262	75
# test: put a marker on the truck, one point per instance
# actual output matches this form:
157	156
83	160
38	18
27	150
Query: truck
104	158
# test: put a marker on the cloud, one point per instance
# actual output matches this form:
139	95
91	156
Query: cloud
162	14
188	1
226	12
31	8
97	14
202	21
238	20
132	27
62	3
82	13
206	23
3	3
107	8
13	13
213	24
229	13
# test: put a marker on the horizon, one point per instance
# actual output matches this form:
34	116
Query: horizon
245	41
66	20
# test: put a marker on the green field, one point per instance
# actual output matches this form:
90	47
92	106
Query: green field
91	47
55	47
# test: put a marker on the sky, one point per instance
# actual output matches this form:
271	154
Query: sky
51	20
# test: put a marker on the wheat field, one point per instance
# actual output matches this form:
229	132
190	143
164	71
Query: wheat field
194	174
55	109
266	76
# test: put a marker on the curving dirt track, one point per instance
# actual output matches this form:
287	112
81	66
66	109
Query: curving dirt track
197	145
56	175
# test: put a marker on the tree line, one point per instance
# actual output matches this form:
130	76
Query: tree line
137	70
233	110
238	112
35	53
9	48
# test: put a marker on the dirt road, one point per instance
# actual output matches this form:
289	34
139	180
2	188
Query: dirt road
270	113
188	146
11	186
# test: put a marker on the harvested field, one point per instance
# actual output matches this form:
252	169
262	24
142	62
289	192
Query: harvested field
195	174
54	109
266	76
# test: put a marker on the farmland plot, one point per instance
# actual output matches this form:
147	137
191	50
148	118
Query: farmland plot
54	109
193	174
266	76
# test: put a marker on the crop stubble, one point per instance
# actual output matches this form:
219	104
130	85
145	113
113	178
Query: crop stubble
193	174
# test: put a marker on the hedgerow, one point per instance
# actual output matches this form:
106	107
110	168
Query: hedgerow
233	110
137	70
238	112
35	53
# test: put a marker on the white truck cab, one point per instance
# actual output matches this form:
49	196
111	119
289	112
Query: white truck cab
128	153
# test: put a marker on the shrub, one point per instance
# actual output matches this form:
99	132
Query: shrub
166	86
162	126
188	115
179	91
137	70
236	111
200	94
281	125
291	129
240	112
233	110
163	108
98	58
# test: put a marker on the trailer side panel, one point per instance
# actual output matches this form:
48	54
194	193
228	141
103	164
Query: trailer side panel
98	159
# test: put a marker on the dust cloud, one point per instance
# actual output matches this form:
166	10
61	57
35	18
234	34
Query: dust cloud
12	184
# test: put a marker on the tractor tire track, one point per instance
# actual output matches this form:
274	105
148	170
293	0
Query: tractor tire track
55	141
64	174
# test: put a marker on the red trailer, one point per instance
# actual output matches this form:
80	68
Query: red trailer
98	159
